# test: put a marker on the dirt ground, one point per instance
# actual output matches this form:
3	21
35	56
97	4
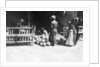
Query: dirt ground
45	54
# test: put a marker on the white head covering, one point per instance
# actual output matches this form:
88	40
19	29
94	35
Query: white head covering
53	16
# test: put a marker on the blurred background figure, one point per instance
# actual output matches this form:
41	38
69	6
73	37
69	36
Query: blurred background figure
21	21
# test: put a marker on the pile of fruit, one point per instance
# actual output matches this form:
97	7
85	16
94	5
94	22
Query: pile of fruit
43	40
60	39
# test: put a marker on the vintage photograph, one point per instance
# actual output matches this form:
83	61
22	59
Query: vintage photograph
44	36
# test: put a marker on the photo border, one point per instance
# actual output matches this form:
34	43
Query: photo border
86	39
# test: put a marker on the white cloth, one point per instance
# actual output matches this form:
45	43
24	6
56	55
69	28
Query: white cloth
70	38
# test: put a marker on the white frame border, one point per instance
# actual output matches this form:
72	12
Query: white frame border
86	42
2	3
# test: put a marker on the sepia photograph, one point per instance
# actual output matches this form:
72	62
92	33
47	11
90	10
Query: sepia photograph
44	36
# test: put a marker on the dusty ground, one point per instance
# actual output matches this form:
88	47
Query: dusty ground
45	54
